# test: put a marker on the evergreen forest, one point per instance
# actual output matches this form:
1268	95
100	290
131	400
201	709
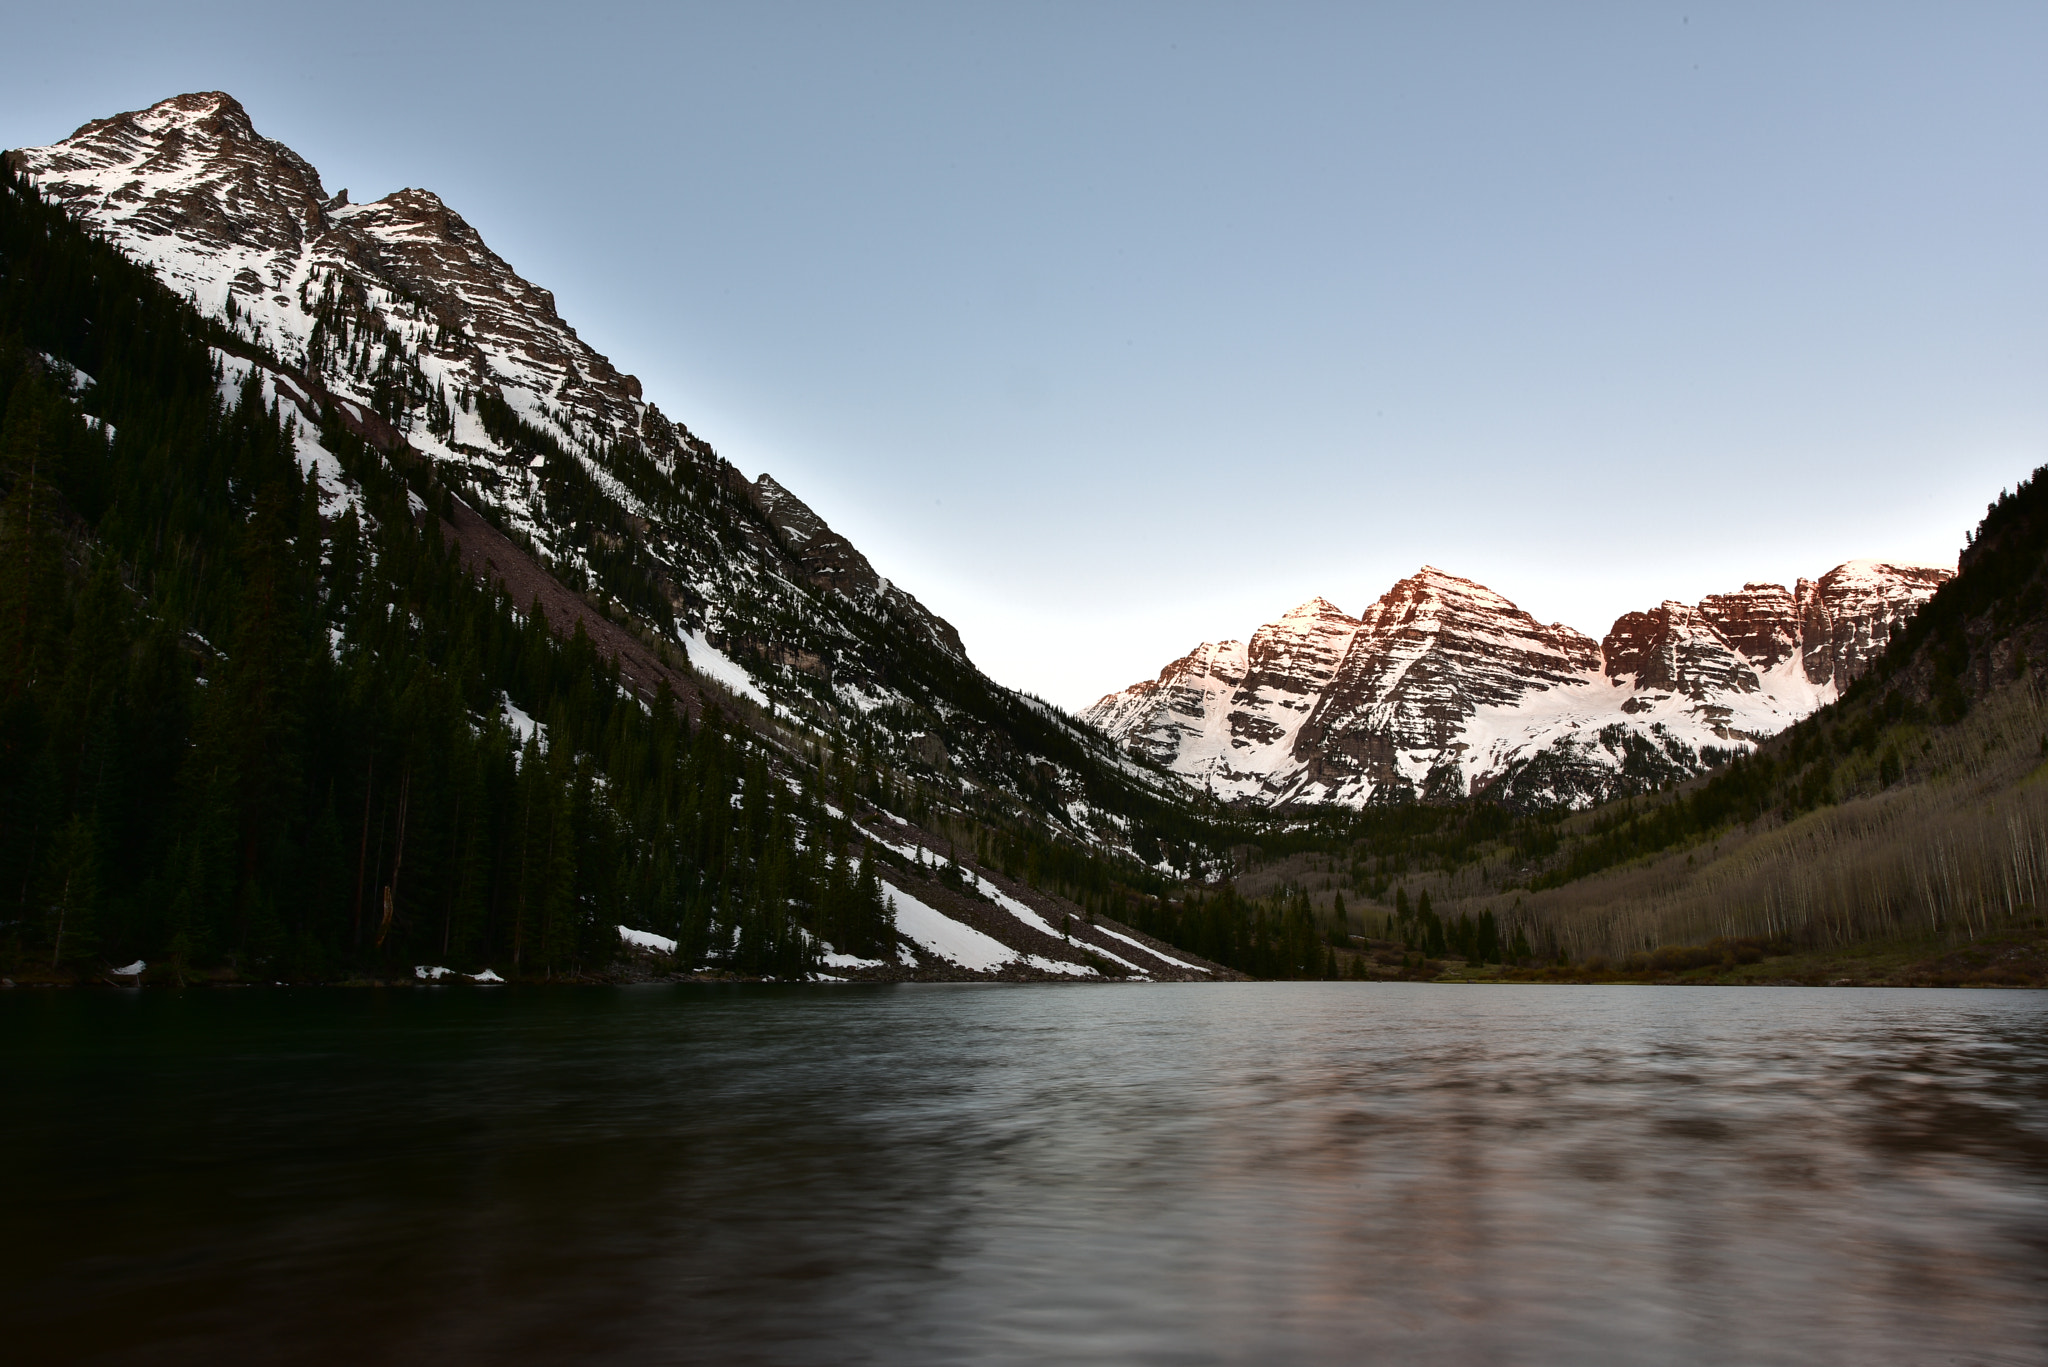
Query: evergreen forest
238	735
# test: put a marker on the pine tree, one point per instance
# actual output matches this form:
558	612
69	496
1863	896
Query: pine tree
31	574
1488	937
872	925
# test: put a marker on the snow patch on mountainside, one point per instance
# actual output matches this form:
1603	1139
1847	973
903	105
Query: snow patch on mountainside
714	664
948	939
647	939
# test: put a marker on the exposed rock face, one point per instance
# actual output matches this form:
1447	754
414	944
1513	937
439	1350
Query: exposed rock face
1761	623
194	169
222	212
1162	718
1444	688
1850	616
1675	648
830	561
1428	654
828	558
398	313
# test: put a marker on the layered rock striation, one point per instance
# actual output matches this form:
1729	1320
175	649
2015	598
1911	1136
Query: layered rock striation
1443	688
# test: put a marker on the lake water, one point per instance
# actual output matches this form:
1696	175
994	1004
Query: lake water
1262	1173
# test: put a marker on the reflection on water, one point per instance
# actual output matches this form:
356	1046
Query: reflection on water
1141	1174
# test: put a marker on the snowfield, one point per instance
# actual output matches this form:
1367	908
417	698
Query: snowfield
644	939
940	935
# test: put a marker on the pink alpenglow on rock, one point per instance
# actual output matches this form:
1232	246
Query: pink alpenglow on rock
1443	688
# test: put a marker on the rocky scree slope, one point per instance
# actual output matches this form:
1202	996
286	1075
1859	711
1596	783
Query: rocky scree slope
394	319
1444	689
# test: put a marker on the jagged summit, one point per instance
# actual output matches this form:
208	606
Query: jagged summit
1444	687
1314	609
212	113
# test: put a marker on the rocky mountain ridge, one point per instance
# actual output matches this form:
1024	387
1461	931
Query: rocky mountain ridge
403	315
395	319
1444	689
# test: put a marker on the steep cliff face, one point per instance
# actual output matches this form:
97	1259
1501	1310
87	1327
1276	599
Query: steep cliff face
1444	688
1761	623
1675	648
1850	616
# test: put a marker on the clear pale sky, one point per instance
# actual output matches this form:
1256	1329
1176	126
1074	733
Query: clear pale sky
1106	329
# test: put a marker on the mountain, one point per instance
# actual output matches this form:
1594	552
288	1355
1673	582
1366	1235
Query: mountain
395	318
365	619
359	621
1444	689
398	313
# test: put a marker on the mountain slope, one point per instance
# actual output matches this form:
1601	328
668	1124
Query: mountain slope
277	701
1444	689
1909	814
415	329
396	320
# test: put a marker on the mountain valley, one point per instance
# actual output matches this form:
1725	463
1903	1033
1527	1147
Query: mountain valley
359	622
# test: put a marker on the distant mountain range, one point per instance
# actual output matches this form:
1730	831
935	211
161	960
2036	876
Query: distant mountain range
453	434
1443	689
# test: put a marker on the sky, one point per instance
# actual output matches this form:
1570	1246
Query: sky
1106	329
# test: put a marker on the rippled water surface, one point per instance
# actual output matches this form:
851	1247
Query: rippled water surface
1146	1174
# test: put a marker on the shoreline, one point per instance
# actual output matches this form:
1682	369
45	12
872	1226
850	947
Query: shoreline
2014	959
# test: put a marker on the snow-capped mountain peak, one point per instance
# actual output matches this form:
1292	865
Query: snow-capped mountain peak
1444	687
1313	611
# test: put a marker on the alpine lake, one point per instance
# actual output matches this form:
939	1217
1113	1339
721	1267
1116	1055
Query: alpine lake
1172	1174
